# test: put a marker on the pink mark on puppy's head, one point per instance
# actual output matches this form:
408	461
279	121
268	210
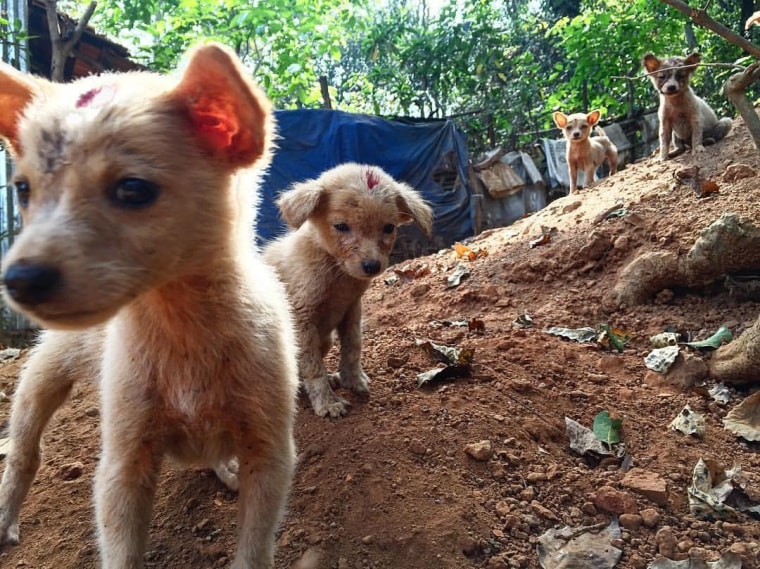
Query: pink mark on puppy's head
372	179
85	99
95	97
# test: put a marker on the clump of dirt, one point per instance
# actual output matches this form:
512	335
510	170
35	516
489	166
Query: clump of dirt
391	486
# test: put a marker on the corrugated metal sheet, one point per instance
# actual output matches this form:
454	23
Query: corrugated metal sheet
15	53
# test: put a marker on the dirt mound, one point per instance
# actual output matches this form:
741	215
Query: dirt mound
391	486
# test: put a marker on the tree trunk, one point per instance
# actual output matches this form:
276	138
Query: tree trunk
61	42
729	245
735	90
739	361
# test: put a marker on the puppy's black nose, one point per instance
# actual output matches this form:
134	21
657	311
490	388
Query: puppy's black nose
31	284
371	267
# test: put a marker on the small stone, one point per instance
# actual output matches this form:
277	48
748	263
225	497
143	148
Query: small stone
650	517
71	471
309	560
648	484
343	563
469	546
396	362
420	290
666	542
543	511
613	501
630	521
92	412
481	450
502	509
588	508
637	561
368	539
416	446
535	477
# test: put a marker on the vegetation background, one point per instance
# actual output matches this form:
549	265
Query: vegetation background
498	67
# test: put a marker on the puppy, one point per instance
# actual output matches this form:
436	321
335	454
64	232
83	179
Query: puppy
684	117
136	194
344	225
584	152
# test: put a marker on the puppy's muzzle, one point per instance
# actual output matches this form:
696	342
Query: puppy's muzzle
31	284
371	267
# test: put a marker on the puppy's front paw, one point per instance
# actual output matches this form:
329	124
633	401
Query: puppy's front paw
323	399
227	472
8	529
357	381
698	149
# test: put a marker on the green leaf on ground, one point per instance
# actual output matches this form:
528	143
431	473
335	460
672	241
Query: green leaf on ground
607	428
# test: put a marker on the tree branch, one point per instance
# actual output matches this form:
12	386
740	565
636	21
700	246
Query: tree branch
62	48
700	17
735	90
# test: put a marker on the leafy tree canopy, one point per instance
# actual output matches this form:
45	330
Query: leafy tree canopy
500	67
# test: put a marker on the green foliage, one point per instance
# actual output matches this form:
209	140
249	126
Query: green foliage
607	429
500	67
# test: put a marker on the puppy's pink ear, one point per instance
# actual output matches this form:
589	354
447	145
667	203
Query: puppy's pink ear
560	119
692	61
16	92
413	208
230	116
651	63
593	117
300	202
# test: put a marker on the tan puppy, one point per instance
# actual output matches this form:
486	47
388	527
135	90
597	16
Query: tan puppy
584	152
344	227
684	117
137	252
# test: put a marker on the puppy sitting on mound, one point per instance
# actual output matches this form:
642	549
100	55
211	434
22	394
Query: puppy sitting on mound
344	226
137	253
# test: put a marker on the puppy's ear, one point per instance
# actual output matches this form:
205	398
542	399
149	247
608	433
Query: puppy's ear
651	63
692	61
16	92
413	208
300	202
560	119
593	117
229	115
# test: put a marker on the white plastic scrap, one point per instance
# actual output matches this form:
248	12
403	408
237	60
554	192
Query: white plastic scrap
689	422
720	393
587	546
664	339
660	359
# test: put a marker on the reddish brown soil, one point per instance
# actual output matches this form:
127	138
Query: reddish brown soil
390	486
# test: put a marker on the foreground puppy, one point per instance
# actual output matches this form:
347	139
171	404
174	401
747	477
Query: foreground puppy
584	152
344	227
136	251
684	117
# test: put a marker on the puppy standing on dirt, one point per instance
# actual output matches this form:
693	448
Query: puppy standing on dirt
344	227
137	198
684	117
584	152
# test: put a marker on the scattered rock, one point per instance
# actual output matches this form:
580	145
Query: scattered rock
310	559
666	542
416	446
71	471
649	484
631	521
688	370
613	501
736	172
650	517
482	450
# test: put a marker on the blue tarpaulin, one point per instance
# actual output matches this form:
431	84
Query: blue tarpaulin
429	156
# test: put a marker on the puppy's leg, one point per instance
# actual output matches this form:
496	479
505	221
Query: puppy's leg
666	136
125	481
312	370
573	172
718	132
696	134
589	176
265	479
351	375
612	157
44	385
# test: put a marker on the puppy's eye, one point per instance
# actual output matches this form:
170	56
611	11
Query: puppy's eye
23	192
342	227
389	228
134	193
